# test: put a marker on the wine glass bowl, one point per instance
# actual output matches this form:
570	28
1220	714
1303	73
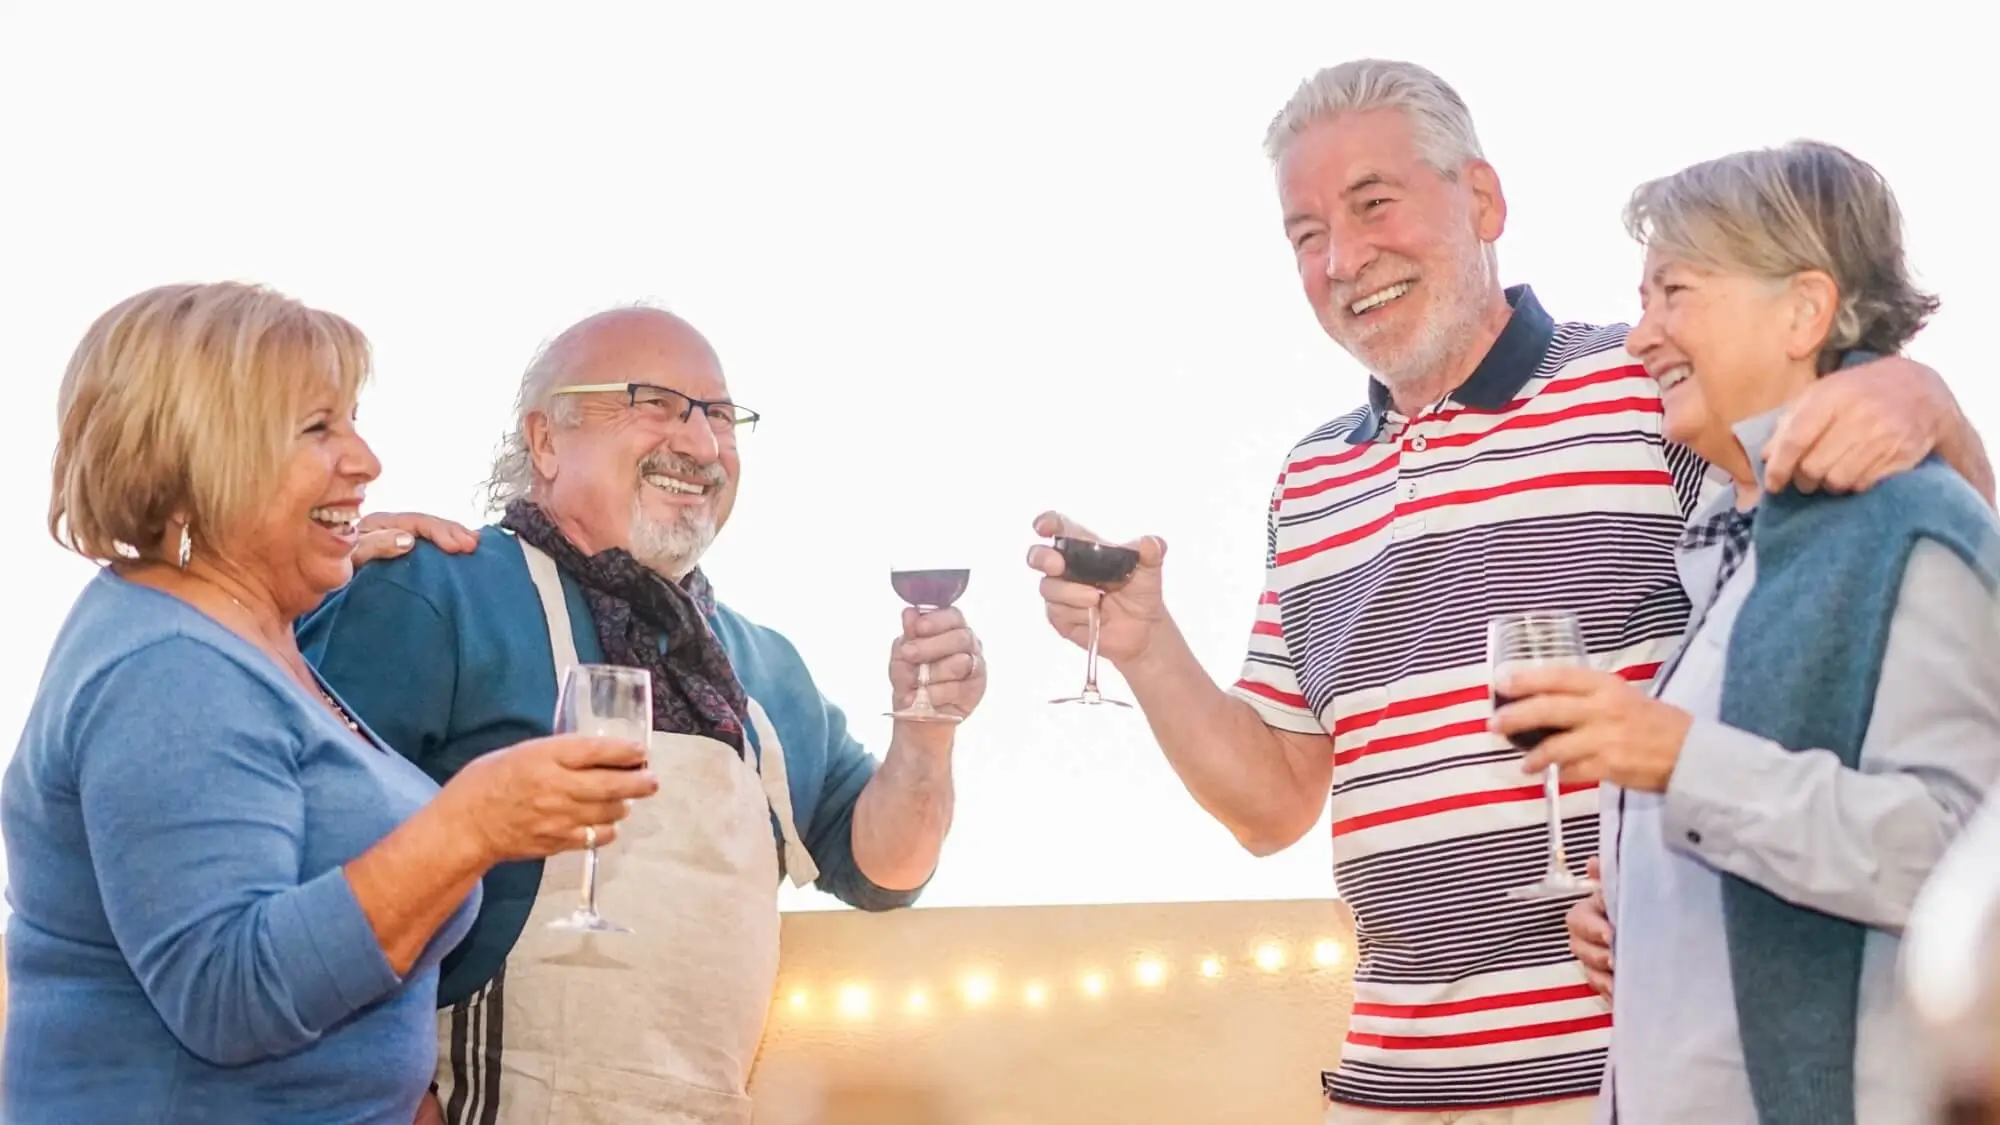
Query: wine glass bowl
927	589
1526	640
1106	567
1102	565
930	589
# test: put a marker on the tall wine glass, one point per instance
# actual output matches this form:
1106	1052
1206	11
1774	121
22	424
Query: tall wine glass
602	701
928	590
1106	567
1525	640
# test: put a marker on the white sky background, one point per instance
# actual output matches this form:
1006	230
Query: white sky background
969	263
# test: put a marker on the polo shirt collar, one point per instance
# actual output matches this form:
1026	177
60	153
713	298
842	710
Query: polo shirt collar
1512	360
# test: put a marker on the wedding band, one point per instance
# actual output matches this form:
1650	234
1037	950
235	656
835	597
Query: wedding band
590	835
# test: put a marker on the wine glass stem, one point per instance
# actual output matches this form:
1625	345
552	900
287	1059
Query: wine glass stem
1552	787
922	703
1090	659
590	880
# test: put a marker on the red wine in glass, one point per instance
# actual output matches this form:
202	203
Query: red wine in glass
928	590
1524	640
1107	567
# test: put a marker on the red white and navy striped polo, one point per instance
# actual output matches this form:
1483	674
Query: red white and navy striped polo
1541	483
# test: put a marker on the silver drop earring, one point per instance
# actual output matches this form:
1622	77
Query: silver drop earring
187	547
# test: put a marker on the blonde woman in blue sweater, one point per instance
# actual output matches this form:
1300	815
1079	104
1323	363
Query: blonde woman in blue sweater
230	897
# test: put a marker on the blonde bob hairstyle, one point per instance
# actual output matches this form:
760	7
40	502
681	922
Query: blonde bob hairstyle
180	408
1775	213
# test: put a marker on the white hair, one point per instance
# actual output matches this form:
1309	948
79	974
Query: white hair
513	474
1443	124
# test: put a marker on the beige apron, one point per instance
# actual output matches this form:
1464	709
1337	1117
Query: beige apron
659	1026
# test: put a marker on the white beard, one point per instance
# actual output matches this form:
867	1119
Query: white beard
671	548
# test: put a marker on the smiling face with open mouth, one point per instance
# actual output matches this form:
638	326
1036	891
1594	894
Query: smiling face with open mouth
1716	342
301	541
647	469
1391	253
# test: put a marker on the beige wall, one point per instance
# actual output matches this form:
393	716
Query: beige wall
1243	1045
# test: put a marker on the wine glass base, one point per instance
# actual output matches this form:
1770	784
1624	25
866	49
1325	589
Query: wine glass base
924	716
584	921
1092	701
1553	886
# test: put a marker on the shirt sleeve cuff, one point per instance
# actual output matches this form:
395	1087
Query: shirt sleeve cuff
339	967
1277	715
1718	782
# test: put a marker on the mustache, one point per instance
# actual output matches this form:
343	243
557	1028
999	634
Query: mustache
685	467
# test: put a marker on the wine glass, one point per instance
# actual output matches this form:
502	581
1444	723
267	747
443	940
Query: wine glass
1524	640
1107	568
602	701
928	590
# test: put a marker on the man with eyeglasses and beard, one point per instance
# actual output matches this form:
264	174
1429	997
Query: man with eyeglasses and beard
618	472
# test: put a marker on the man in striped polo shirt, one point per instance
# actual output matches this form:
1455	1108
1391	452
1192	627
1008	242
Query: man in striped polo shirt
1503	462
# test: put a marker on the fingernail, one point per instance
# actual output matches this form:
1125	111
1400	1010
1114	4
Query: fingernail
404	540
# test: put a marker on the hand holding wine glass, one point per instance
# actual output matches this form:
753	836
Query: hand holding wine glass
936	663
1127	611
535	799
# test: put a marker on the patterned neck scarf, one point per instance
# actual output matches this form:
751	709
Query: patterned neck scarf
647	621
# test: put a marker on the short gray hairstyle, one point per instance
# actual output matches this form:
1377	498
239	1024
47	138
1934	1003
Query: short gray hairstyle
513	474
1778	212
1442	121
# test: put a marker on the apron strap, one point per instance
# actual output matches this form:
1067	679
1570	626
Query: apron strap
799	866
548	583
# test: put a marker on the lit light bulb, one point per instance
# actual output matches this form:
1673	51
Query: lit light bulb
1211	967
1327	952
1151	973
1270	957
918	1001
978	990
1093	984
1035	995
855	1002
799	1000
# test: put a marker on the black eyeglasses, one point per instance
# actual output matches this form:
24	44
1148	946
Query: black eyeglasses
724	417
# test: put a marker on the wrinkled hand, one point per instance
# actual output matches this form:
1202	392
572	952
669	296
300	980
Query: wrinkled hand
1606	729
1589	928
386	535
1128	617
942	639
536	798
1858	425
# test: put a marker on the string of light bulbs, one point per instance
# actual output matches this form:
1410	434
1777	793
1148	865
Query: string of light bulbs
979	989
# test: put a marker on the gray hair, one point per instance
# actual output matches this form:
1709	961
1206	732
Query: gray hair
1779	212
513	474
1440	117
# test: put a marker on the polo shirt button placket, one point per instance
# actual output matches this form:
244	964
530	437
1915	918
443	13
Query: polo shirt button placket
1408	526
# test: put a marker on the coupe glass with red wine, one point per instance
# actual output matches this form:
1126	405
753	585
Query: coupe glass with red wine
927	590
1106	567
1528	640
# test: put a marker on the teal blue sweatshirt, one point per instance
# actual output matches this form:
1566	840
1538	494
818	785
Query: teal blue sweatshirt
448	657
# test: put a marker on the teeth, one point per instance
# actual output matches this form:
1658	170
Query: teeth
1673	376
672	484
1380	297
340	519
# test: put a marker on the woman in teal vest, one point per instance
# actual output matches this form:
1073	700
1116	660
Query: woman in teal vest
1776	801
